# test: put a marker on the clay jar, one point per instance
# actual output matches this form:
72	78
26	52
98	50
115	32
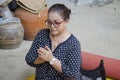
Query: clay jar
11	33
31	22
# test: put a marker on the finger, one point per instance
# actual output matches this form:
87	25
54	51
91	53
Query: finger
39	55
47	48
40	52
43	50
42	56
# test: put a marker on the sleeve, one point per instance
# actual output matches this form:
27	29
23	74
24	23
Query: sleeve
71	68
32	53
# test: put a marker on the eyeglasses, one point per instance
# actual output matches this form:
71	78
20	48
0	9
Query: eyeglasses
55	23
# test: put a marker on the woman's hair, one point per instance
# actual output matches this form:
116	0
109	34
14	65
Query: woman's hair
61	9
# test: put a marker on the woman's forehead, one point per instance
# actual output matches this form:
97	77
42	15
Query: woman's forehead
54	16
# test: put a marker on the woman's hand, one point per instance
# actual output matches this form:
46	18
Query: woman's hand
45	53
39	60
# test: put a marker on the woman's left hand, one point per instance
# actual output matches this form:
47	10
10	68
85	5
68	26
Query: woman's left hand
45	53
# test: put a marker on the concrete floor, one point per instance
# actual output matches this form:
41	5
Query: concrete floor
97	28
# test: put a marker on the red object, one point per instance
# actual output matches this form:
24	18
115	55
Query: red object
112	66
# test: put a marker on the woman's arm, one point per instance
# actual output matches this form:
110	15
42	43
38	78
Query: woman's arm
32	55
71	68
56	64
39	60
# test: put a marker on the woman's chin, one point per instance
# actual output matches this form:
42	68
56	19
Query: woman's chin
54	33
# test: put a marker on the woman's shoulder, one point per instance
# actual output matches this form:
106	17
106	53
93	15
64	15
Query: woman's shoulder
43	31
73	39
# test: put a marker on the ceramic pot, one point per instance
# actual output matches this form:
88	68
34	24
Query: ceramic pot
11	33
31	22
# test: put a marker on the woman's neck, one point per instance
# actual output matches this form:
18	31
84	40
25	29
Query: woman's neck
58	39
61	37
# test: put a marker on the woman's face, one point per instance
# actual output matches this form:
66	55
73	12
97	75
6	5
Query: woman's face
56	23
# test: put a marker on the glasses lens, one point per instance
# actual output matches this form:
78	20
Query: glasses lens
48	23
55	23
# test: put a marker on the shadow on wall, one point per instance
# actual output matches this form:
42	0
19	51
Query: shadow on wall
91	3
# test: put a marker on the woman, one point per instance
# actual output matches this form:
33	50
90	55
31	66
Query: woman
55	52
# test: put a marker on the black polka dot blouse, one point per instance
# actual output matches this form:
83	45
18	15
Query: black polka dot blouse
68	52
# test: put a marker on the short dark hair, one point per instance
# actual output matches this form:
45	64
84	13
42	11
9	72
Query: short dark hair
61	9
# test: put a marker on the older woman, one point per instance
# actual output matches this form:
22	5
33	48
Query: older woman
56	52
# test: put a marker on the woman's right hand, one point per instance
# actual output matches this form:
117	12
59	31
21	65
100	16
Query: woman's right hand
39	60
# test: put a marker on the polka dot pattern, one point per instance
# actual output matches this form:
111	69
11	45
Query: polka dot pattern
68	52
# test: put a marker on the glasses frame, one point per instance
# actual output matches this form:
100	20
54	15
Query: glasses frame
55	23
